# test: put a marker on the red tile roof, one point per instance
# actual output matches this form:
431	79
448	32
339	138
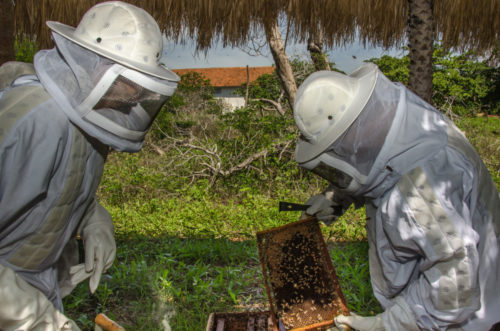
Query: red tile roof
226	77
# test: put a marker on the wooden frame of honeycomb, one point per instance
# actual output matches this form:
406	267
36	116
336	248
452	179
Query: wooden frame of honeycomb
244	321
300	280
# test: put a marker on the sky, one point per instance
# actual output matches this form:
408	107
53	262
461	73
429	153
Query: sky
348	58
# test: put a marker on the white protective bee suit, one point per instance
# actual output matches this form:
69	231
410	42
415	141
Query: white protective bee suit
433	211
100	87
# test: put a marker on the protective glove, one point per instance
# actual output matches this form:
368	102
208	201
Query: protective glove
397	317
23	307
373	323
99	246
340	327
322	207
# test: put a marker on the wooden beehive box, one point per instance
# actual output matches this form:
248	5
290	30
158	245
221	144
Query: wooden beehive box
300	280
245	321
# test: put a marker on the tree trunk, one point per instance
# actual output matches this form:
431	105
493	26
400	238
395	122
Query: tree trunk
283	67
420	31
315	48
7	31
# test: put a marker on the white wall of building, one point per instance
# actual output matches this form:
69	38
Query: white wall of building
230	100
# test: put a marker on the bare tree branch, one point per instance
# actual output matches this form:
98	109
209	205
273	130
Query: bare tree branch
156	148
202	159
276	105
246	162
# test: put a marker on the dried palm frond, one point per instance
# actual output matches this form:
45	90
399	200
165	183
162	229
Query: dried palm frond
460	24
465	24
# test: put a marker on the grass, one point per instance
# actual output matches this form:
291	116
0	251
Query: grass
179	281
173	280
351	263
484	134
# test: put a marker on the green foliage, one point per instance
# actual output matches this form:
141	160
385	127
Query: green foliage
396	69
268	86
349	227
186	108
25	49
463	84
302	69
175	101
351	265
484	134
265	86
193	81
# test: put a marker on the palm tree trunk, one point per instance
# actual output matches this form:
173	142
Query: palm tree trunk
421	33
7	31
283	67
315	48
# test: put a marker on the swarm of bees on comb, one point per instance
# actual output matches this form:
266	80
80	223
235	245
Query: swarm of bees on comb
302	286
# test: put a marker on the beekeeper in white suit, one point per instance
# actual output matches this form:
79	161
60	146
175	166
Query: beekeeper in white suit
433	211
100	87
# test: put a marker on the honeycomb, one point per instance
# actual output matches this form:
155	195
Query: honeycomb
245	321
300	280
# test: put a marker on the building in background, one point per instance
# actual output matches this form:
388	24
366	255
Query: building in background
226	80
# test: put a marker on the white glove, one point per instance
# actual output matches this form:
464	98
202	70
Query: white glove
23	307
397	317
99	245
340	327
374	323
322	207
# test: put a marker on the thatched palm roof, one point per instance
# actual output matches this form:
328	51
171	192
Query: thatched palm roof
460	24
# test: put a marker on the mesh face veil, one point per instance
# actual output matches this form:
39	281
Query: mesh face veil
125	102
130	104
336	177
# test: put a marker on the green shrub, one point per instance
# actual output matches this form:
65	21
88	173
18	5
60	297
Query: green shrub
25	49
396	69
464	84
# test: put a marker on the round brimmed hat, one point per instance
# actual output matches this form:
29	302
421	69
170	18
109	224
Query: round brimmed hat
327	103
123	33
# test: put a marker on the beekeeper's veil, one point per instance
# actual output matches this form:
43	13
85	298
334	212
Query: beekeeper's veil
106	75
344	121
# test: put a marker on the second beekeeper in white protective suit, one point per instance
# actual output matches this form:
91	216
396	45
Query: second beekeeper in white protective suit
100	87
433	211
